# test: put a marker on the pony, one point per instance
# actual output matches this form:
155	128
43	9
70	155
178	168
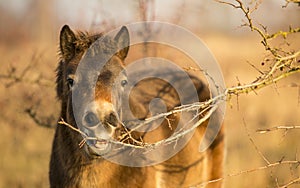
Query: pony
74	166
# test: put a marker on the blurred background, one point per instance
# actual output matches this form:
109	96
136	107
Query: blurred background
29	31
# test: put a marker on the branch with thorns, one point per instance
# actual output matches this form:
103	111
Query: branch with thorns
267	166
287	2
205	113
266	37
285	128
282	64
14	77
48	122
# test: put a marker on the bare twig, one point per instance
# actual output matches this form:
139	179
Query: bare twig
139	144
285	128
294	181
62	122
283	64
280	58
83	134
255	146
14	77
183	108
271	165
127	136
291	1
48	122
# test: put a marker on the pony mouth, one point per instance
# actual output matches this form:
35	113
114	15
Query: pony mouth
98	147
101	144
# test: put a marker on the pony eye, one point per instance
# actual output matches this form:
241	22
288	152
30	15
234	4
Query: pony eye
70	82
124	83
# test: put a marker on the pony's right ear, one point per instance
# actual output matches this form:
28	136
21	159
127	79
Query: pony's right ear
122	40
67	43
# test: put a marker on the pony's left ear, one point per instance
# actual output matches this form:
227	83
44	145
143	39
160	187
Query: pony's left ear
67	45
122	40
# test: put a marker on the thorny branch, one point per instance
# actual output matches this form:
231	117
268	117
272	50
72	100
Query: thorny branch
267	166
203	184
294	181
83	134
48	122
184	108
205	114
291	1
285	128
282	64
255	146
14	77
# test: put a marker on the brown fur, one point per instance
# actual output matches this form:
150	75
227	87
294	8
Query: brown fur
72	166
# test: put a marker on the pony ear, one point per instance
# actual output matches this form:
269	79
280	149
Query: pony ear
67	45
122	40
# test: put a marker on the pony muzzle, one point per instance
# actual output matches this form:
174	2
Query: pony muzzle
100	122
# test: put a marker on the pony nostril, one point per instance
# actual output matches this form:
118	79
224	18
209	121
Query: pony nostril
112	119
91	119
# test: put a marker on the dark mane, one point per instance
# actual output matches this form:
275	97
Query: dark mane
82	42
85	39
